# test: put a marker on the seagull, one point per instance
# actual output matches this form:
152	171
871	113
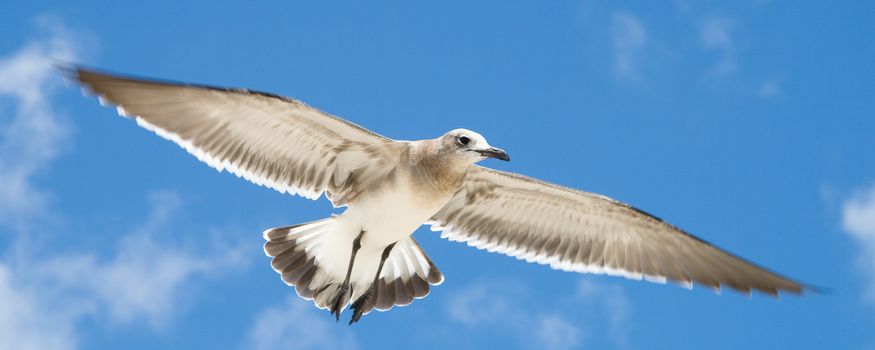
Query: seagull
366	257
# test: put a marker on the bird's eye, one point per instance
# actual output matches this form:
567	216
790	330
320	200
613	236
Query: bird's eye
464	140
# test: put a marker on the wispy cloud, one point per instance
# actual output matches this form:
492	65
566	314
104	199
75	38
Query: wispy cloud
629	38
477	305
501	308
31	136
28	321
715	34
295	325
615	306
858	220
32	133
143	281
47	290
556	332
770	88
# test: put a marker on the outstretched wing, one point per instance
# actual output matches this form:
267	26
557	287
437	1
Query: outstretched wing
267	139
578	231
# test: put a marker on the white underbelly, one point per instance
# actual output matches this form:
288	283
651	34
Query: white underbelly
387	216
390	215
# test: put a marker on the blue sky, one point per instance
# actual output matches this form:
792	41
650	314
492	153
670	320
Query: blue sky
749	124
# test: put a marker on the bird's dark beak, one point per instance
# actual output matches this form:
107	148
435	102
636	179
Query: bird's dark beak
496	153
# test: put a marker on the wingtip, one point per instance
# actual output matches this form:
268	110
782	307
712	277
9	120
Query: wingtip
65	66
799	288
73	70
79	75
815	289
68	71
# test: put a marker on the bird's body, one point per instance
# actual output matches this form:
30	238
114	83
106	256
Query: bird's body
366	256
387	213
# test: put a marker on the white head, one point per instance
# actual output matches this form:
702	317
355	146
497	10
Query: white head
471	146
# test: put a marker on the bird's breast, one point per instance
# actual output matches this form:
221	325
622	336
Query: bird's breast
394	211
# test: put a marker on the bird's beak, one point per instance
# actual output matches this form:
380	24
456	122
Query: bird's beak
496	153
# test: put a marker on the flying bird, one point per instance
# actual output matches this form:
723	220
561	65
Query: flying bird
366	257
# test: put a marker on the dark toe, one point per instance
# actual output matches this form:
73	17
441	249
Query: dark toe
337	302
359	306
357	313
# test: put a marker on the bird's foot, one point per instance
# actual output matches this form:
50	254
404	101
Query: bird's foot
358	306
339	300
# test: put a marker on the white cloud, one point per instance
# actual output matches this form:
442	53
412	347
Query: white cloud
142	281
615	305
504	308
629	42
32	133
46	289
555	332
499	308
295	325
858	219
477	305
715	35
27	322
770	88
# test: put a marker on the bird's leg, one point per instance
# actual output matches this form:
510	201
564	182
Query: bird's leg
358	305
339	297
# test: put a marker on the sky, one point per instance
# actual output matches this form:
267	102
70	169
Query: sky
749	123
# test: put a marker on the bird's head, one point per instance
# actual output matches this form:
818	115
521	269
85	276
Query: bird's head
471	146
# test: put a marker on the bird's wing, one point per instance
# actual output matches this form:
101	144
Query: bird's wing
585	232
267	139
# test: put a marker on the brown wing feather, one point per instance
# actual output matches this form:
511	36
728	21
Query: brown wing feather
579	231
268	139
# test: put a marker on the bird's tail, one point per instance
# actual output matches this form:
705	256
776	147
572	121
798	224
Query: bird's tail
293	249
313	258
